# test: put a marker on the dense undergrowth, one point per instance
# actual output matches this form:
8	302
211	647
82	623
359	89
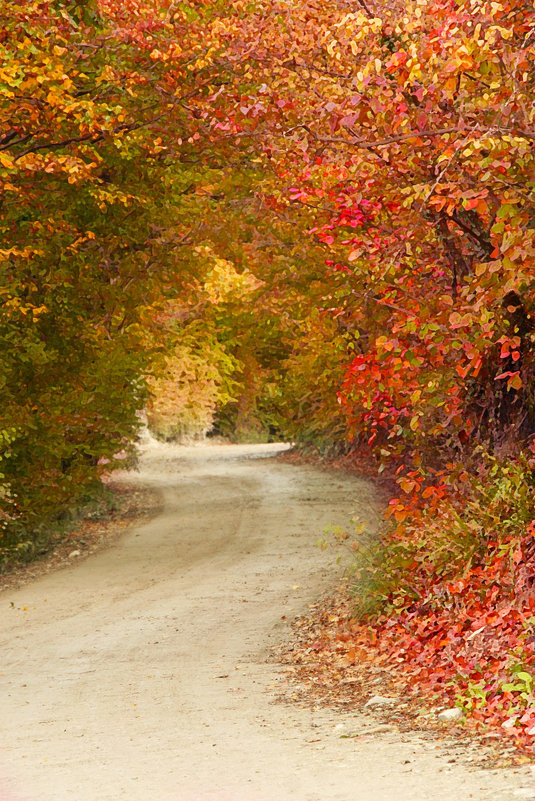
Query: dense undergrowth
443	599
96	502
450	591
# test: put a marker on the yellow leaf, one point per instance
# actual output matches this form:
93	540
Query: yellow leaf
515	382
6	160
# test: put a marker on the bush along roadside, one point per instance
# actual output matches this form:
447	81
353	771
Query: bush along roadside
98	503
105	514
446	596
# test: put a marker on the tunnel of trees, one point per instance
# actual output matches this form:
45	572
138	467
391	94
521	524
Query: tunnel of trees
290	220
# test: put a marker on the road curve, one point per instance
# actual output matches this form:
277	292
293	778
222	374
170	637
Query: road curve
139	674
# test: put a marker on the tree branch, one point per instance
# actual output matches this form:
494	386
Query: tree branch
362	143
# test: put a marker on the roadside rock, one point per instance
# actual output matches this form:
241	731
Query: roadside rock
379	700
450	715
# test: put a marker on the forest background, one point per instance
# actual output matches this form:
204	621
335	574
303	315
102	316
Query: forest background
300	220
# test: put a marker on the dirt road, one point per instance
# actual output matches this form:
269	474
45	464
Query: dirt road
139	674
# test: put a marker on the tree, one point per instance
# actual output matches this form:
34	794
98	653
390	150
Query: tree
94	219
409	130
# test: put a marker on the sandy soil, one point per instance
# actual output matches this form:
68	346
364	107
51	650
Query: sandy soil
140	673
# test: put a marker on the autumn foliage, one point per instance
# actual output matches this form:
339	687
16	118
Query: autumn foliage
325	214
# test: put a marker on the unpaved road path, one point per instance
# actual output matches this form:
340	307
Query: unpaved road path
139	674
